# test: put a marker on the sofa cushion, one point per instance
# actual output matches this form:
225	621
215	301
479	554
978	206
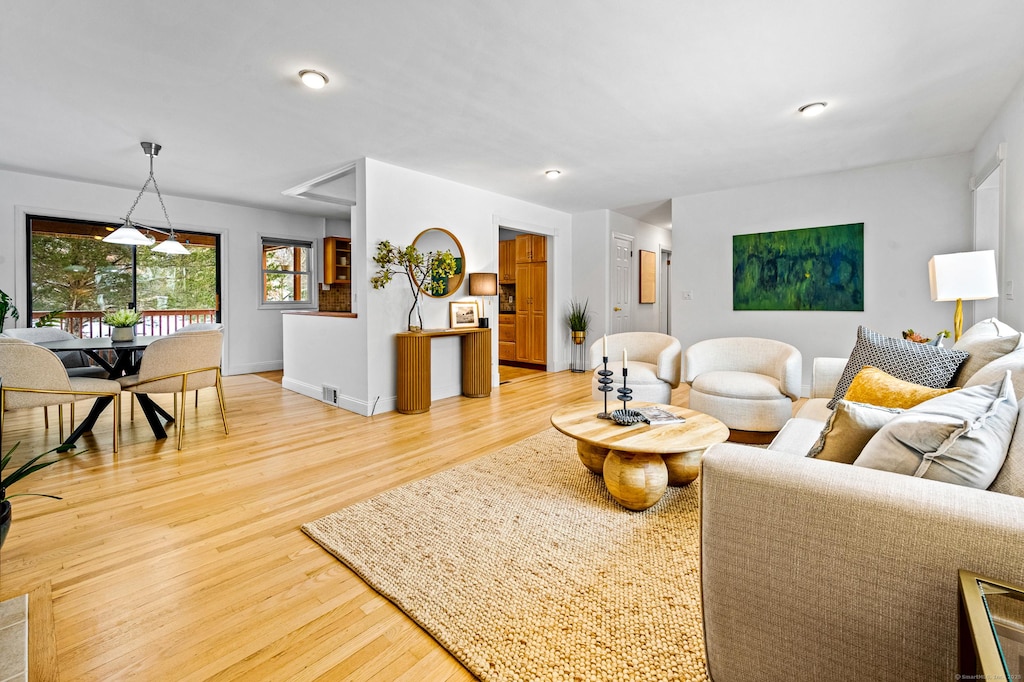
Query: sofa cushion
872	386
1010	480
961	437
849	429
746	385
986	341
932	366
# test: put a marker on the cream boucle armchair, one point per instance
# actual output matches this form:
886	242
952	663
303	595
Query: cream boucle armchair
653	368
747	383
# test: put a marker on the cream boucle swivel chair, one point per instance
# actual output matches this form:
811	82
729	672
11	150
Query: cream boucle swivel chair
654	364
747	383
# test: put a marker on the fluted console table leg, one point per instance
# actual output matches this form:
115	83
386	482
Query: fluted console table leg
413	373
476	364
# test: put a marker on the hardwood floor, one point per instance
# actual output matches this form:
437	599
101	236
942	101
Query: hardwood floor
190	565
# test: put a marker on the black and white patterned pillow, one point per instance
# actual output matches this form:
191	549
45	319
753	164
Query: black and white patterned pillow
919	363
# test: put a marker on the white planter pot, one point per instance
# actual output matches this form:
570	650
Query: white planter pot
122	333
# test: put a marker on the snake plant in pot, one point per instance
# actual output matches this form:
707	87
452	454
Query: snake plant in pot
31	466
578	319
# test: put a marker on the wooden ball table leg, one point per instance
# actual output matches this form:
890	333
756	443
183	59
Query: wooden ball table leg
636	480
591	456
683	467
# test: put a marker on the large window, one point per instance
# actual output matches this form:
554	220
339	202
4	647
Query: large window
71	270
287	272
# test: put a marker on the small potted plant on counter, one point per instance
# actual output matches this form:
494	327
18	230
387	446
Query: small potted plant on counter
123	322
7	309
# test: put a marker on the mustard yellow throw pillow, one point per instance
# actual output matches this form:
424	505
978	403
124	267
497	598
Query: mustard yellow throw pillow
875	387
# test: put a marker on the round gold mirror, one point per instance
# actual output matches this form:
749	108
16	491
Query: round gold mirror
439	239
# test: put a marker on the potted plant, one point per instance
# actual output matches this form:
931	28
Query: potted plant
7	309
578	319
21	472
123	322
429	270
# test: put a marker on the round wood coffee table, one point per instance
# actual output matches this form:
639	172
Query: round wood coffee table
640	461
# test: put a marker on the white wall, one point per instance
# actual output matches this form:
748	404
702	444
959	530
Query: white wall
911	211
1008	127
590	268
252	337
399	204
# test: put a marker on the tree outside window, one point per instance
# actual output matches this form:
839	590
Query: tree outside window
287	271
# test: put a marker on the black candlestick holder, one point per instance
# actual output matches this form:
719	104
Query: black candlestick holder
606	388
624	393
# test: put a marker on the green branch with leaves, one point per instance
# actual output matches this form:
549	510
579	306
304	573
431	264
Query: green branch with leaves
428	271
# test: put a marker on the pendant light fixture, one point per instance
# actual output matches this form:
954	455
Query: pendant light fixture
129	234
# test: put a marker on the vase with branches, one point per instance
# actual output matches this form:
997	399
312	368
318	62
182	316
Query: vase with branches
428	271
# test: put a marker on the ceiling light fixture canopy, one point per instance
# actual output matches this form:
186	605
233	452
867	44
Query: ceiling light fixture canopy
313	79
813	109
130	235
553	173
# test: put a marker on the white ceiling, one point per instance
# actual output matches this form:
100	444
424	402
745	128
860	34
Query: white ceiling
636	101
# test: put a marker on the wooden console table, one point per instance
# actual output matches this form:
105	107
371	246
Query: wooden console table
414	366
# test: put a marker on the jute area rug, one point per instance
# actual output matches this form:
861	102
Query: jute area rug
524	568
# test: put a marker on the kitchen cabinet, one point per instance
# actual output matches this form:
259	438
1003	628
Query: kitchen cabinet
531	312
507	262
531	248
337	260
507	336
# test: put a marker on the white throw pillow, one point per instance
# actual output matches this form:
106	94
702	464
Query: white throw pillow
985	341
960	437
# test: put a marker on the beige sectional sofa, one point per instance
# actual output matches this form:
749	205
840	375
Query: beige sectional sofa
814	569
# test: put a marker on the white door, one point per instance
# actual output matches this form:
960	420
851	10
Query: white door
665	314
988	235
622	279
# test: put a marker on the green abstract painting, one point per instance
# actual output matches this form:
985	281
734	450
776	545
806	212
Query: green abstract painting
816	268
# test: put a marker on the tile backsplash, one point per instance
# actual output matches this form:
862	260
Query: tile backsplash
336	298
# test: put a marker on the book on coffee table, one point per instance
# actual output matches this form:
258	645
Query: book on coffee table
655	416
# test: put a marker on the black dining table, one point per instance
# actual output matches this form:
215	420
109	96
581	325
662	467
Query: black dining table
126	358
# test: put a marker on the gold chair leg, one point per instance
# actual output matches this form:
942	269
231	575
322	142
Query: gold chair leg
220	399
132	401
117	418
71	423
60	418
180	423
175	413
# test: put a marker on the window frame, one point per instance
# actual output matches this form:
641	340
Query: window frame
264	240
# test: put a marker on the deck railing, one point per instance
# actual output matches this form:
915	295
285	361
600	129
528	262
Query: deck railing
88	324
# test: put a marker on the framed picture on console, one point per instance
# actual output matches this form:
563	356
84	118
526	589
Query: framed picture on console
463	314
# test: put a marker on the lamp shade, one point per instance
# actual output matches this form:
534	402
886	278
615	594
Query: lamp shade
969	276
127	234
171	246
483	284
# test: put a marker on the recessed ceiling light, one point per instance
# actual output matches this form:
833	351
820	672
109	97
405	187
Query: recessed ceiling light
313	79
813	109
553	173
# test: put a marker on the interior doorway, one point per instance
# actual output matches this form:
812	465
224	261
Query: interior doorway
988	234
523	303
622	278
665	312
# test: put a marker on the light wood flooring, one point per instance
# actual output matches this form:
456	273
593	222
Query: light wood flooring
190	565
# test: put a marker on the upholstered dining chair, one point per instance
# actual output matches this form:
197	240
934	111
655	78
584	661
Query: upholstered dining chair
76	362
653	365
177	364
33	376
188	329
747	383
